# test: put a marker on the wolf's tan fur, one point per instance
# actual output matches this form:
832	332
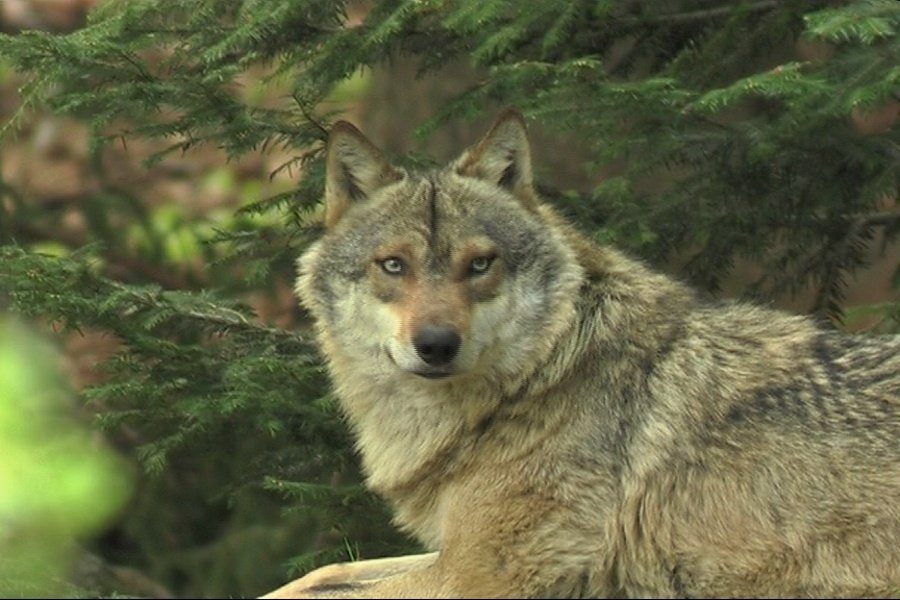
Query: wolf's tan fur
600	430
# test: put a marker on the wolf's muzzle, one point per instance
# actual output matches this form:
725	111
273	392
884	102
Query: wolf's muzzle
436	346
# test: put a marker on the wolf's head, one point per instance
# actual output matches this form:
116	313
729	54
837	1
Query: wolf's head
442	274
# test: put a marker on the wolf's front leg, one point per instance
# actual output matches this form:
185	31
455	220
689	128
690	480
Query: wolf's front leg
356	579
421	576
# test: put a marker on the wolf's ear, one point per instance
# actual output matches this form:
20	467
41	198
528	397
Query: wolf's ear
503	157
354	169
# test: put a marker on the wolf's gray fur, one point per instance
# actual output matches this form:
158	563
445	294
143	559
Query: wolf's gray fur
554	419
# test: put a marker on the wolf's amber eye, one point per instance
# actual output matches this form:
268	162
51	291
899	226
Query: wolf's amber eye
480	264
393	266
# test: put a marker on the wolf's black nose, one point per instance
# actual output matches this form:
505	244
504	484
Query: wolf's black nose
436	345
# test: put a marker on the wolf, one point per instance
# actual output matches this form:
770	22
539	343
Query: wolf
554	419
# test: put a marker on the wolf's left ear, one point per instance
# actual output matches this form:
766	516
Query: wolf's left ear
503	158
354	169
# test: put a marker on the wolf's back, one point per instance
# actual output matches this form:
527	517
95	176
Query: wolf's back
765	456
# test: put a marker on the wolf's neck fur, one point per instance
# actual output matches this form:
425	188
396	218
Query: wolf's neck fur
388	412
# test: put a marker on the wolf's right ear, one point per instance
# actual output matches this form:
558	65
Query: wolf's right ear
503	158
354	169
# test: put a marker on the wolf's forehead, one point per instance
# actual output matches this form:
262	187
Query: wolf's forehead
437	216
435	205
405	209
443	198
449	212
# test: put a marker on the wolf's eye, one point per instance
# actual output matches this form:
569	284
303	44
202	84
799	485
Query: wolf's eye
393	266
480	264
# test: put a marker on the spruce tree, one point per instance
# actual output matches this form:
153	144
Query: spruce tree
738	131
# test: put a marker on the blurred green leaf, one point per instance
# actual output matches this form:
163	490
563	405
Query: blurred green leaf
57	483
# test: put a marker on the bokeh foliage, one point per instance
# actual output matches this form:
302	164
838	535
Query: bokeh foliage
57	484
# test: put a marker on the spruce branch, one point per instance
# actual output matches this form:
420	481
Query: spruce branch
705	14
35	283
123	263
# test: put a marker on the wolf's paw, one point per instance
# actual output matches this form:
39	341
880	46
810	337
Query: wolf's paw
329	581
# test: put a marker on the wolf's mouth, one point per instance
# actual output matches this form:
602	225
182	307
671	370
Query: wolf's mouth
426	373
432	374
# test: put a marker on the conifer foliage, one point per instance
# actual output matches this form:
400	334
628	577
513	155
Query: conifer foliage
732	130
